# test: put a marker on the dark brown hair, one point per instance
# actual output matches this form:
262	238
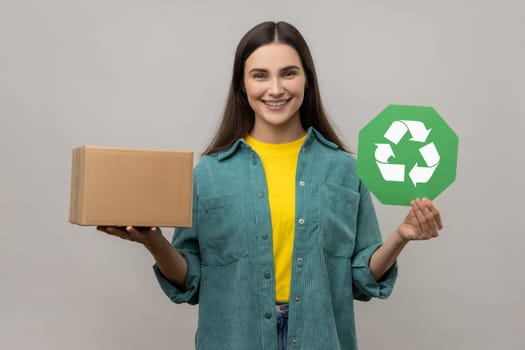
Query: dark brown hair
238	117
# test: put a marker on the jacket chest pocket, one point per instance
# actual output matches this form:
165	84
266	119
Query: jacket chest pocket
221	230
338	219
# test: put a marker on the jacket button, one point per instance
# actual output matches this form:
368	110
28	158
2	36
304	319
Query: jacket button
267	275
268	315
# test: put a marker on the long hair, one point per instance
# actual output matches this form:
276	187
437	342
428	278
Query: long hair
238	117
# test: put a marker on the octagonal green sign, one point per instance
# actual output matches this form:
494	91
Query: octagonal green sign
407	152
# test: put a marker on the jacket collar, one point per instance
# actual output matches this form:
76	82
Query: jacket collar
312	134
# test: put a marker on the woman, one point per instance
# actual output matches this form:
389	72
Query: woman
284	234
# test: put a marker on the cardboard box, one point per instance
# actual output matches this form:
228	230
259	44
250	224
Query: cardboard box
121	186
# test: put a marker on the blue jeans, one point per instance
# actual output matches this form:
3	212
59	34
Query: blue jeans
282	325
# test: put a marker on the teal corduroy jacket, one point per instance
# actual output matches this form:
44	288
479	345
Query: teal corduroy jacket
230	261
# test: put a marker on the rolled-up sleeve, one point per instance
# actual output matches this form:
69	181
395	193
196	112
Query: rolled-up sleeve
365	285
191	293
368	240
186	242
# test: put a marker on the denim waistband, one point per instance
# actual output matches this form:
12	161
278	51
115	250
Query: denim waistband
282	310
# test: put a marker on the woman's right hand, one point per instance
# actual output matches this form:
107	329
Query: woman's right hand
150	237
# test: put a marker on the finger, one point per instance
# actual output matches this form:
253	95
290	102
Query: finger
415	212
425	227
432	224
435	212
103	229
147	229
138	233
411	217
116	231
134	232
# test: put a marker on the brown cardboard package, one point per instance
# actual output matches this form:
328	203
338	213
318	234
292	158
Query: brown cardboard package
121	186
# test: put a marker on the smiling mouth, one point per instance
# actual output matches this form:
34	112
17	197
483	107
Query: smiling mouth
278	103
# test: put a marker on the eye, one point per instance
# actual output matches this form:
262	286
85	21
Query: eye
258	75
290	73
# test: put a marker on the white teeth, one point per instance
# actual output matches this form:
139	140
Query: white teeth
275	104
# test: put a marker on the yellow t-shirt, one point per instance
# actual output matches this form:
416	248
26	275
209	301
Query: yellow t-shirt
280	163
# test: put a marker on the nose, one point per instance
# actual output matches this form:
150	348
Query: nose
276	88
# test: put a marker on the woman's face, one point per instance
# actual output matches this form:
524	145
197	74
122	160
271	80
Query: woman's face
274	82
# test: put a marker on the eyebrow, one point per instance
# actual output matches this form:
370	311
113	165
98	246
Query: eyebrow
281	70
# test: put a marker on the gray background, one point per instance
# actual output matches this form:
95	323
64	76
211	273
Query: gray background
154	74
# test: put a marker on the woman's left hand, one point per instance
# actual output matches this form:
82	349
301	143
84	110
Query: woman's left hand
422	222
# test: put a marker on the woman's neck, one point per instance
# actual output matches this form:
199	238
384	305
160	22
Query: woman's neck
277	134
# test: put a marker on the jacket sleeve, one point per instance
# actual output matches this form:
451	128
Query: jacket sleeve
368	240
185	240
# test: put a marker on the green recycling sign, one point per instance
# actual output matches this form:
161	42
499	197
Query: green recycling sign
407	152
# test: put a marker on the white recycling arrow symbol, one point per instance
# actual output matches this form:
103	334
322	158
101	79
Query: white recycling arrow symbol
396	172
